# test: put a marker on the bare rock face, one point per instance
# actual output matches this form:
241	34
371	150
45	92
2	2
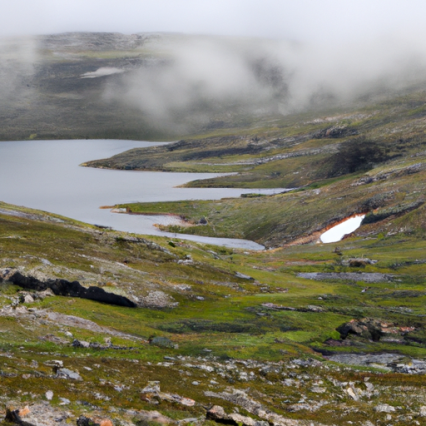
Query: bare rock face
63	288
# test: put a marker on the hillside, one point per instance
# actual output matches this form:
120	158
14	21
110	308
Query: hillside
367	160
91	86
99	327
244	331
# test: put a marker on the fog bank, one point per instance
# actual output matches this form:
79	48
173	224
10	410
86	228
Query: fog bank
201	77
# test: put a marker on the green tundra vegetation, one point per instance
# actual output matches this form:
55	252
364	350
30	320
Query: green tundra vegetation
369	159
301	333
228	327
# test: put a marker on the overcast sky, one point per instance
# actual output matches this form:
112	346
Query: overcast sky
320	20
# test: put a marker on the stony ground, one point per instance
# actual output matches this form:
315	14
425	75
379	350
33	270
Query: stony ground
303	335
99	327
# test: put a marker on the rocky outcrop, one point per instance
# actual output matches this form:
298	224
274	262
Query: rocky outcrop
218	414
388	361
152	393
62	287
309	308
395	211
390	174
335	132
372	277
358	262
371	329
161	342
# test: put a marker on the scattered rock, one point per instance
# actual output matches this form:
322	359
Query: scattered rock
395	173
28	299
68	374
188	402
152	416
368	277
49	395
162	342
309	308
54	363
80	344
384	408
15	415
335	132
85	421
318	389
352	394
243	276
152	387
371	329
158	299
358	262
218	414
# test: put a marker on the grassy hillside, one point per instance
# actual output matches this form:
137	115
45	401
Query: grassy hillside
90	85
303	333
370	160
50	89
262	333
296	150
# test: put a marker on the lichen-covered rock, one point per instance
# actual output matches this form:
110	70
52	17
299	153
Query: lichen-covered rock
162	342
152	416
384	408
158	299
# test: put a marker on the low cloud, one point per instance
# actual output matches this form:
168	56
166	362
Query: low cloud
204	77
18	57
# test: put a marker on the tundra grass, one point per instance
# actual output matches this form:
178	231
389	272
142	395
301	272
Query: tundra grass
226	322
279	219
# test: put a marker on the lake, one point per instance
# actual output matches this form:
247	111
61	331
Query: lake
46	175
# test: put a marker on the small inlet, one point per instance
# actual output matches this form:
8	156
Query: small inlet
339	231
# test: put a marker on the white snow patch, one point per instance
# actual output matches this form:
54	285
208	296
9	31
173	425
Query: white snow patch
339	231
102	72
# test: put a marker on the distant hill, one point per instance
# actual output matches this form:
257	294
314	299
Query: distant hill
168	86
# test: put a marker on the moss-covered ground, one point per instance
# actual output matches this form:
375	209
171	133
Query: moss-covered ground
264	336
220	319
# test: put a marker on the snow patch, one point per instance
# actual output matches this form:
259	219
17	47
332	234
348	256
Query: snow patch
339	231
102	72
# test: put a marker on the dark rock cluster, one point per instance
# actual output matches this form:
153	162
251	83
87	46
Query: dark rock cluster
64	288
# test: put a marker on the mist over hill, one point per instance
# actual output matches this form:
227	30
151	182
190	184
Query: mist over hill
146	86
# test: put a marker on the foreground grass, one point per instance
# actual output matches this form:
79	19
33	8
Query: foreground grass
219	317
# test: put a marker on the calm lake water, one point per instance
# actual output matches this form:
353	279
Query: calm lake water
45	175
